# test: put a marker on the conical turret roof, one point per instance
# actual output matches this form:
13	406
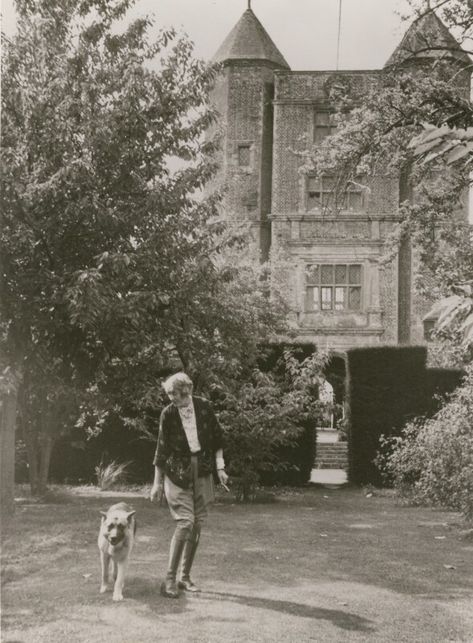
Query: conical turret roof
249	40
428	38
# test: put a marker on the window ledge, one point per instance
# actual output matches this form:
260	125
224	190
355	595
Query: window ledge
313	215
349	330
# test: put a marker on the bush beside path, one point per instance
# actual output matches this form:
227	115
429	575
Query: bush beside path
317	565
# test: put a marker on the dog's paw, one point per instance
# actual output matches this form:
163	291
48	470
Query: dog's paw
118	597
103	589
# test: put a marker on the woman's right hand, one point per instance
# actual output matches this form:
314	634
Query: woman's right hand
157	492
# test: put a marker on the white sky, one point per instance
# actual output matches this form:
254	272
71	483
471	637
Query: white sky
305	31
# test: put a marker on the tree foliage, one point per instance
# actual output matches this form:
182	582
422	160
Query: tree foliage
114	267
266	412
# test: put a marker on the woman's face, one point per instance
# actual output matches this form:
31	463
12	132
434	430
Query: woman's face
180	397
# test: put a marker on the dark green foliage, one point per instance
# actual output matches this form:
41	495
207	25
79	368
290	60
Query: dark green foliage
74	461
439	382
384	391
299	459
300	456
270	356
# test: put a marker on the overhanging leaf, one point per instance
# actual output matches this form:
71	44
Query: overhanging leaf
459	152
425	147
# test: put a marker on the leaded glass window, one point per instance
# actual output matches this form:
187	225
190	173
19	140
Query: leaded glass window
333	287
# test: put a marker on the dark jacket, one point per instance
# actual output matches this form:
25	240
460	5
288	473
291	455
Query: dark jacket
172	450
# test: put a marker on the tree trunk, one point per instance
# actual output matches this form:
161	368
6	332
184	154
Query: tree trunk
32	454
8	406
38	432
46	447
39	446
29	435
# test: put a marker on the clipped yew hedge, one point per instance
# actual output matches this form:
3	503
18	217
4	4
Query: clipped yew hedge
384	389
387	386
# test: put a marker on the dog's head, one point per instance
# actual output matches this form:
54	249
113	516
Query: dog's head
115	525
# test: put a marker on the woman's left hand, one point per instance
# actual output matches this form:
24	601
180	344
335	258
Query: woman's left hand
223	478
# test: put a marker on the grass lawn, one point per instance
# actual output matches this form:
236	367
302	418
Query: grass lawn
317	565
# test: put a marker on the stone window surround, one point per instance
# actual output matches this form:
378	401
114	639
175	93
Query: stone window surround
244	155
235	151
371	312
333	284
304	184
320	109
294	219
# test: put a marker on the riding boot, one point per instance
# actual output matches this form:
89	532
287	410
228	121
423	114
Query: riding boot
169	587
187	559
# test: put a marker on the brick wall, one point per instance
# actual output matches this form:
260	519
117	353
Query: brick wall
291	125
346	237
317	85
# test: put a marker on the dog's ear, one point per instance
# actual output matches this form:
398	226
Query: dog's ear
104	514
129	515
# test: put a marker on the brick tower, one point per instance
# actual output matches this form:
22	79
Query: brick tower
243	96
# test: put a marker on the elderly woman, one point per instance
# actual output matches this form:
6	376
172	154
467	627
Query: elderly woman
188	452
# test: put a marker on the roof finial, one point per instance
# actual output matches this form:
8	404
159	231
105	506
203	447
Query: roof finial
249	5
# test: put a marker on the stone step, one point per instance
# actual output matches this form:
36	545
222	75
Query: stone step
337	452
332	452
332	456
326	461
333	467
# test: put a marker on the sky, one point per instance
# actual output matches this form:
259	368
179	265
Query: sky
305	31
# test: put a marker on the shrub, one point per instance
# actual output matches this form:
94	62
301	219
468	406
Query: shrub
432	462
440	382
266	414
111	474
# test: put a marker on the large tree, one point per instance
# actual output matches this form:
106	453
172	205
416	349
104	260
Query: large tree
114	266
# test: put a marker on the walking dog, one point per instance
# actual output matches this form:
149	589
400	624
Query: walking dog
116	539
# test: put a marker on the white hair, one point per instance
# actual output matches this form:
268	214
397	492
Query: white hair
179	382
